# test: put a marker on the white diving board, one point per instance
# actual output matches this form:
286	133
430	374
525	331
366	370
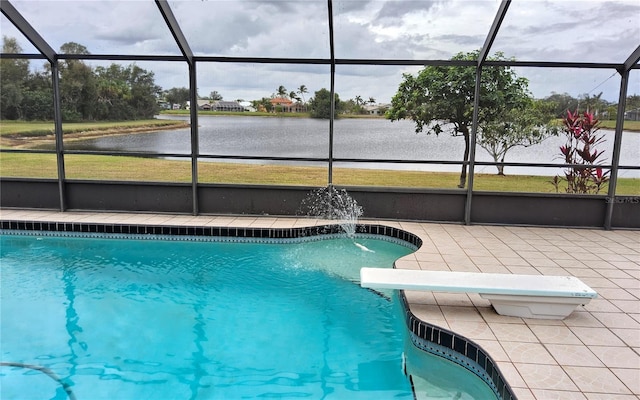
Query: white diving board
526	296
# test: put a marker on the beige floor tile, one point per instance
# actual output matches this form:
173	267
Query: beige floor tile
596	336
617	357
630	377
430	257
601	305
491	316
511	374
419	297
542	394
452	313
494	269
630	336
428	313
479	302
523	393
513	332
551	270
579	355
472	330
558	334
617	320
494	349
627	283
523	270
615	294
547	377
453	299
610	396
582	318
532	353
627	306
611	273
596	380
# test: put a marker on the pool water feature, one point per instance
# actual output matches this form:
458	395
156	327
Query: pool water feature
133	318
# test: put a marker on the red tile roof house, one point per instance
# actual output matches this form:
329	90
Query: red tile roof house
281	104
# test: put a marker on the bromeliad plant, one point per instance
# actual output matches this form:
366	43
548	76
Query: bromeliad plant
586	176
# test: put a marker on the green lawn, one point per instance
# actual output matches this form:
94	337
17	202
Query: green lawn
43	128
93	167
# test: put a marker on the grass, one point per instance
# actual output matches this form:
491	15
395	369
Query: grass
44	128
94	167
628	125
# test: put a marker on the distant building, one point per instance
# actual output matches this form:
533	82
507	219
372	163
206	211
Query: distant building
286	105
233	106
632	115
247	106
376	109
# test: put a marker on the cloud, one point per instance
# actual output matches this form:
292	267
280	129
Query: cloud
592	31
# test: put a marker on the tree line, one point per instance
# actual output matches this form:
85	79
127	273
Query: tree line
111	93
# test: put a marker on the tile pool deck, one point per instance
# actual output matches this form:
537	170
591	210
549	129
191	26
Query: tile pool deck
592	354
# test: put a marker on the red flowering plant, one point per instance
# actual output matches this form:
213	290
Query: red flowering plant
586	175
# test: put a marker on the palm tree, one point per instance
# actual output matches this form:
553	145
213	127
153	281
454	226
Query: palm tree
358	100
302	90
282	91
372	100
294	96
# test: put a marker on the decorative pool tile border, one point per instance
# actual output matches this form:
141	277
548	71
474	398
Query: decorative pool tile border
229	233
458	349
425	336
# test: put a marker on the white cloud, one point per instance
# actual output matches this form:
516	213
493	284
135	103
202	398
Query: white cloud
591	31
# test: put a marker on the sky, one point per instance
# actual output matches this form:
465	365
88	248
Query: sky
533	30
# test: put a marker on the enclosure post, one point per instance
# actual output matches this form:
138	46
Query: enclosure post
57	118
617	143
472	146
332	92
195	147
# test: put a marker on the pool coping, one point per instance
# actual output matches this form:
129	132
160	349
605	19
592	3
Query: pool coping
428	337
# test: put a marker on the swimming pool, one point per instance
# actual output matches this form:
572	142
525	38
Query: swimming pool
209	318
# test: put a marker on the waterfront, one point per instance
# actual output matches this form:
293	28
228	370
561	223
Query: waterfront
374	139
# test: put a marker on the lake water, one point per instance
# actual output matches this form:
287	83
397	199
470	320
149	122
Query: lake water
376	139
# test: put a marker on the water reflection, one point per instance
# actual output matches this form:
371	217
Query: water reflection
377	139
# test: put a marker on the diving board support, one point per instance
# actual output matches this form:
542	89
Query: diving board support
525	296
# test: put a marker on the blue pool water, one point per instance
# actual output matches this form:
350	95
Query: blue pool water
166	319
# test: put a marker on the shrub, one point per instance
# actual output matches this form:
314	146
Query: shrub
585	175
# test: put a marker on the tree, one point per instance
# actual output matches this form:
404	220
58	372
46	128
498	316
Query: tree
525	126
372	100
13	75
294	96
302	90
37	102
144	92
358	100
320	105
179	95
440	99
215	96
282	91
562	102
78	90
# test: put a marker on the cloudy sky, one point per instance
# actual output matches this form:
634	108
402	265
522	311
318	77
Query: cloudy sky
561	30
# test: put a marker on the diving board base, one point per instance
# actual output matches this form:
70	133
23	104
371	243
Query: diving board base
537	307
524	296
